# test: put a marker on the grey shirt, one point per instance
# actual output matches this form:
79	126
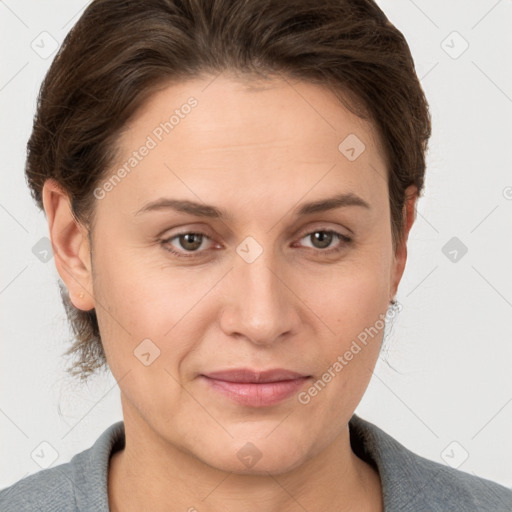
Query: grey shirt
410	483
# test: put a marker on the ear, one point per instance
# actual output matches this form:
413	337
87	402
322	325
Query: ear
400	259
70	244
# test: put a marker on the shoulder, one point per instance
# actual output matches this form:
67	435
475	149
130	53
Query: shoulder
49	489
413	483
80	484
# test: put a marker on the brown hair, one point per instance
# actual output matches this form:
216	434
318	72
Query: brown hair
121	51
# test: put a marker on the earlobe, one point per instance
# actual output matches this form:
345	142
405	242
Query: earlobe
70	245
409	216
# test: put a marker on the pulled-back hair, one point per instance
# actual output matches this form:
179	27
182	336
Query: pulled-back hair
122	51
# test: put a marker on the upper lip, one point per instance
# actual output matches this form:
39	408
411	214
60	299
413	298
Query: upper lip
249	375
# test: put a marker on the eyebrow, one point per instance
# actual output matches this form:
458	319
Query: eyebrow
205	210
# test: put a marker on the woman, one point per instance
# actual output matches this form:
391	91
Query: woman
229	188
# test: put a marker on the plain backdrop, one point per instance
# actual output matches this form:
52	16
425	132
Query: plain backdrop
443	387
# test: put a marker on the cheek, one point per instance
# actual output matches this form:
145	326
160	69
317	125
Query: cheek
354	311
355	317
142	299
146	298
349	297
352	303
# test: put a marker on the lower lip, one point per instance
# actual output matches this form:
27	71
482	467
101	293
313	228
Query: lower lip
256	394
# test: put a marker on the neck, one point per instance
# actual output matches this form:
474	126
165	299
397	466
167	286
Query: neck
151	474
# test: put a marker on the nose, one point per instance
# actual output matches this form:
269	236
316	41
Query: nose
259	305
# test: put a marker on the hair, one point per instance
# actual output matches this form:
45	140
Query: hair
120	52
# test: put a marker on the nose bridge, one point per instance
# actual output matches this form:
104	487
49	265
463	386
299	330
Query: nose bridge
260	309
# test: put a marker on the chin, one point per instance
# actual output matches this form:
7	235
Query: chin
258	457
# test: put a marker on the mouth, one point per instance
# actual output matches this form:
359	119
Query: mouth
255	388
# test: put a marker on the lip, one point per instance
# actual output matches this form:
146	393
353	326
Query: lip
254	376
255	388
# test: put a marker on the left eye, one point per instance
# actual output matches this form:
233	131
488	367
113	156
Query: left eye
324	238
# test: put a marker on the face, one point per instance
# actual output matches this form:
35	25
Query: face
215	251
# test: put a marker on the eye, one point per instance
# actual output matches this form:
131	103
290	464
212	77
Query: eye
187	241
322	239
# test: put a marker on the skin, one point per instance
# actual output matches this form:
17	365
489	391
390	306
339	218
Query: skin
259	153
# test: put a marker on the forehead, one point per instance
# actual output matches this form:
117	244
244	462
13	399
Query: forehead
274	106
220	134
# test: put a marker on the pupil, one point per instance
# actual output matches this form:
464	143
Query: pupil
323	237
189	240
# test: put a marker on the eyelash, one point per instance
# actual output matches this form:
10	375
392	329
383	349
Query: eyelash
347	240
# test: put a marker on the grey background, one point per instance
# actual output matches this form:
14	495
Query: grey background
446	389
